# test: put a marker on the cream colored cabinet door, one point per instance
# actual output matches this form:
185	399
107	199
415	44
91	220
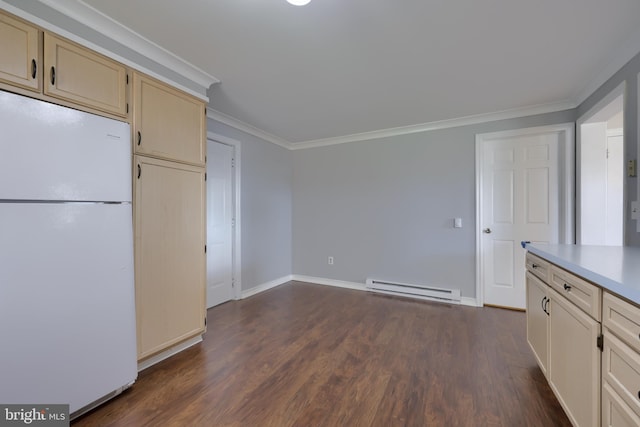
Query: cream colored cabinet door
76	74
574	361
169	253
19	53
167	123
538	320
615	412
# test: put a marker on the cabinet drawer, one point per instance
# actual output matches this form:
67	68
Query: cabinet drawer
621	369
623	319
538	267
577	290
615	413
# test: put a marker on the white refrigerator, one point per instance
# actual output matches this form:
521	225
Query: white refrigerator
67	311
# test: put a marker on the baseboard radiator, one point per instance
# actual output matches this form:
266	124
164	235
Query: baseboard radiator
451	296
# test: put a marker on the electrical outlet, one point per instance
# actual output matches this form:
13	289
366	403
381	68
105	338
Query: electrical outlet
330	260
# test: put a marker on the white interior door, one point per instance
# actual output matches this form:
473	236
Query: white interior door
220	213
614	235
519	200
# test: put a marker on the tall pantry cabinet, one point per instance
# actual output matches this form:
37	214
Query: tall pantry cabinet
169	174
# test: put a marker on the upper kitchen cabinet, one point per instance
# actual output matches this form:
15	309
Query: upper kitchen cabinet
75	74
167	123
19	53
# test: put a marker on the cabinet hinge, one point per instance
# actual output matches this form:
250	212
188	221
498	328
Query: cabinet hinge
600	342
233	162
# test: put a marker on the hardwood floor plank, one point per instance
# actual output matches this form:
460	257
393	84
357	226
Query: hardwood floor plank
311	355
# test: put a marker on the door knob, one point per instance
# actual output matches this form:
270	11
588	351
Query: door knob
487	230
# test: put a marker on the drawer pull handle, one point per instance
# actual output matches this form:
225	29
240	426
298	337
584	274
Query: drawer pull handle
542	303
139	137
567	287
34	69
53	76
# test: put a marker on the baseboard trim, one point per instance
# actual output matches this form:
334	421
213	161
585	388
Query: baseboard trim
329	282
169	352
265	286
467	301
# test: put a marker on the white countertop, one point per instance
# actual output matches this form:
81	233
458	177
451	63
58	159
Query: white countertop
614	268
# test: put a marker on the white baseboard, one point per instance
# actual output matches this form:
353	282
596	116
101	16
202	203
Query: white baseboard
265	286
330	282
471	302
169	352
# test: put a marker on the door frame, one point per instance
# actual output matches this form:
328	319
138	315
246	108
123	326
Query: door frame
237	229
566	193
620	90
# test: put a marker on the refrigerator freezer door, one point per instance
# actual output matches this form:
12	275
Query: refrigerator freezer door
67	311
49	152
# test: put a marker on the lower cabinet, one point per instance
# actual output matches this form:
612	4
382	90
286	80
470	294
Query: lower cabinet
169	253
565	340
538	320
574	360
620	362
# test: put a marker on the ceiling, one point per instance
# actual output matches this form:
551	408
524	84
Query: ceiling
342	67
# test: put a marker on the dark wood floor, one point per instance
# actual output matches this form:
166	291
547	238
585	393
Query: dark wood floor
311	355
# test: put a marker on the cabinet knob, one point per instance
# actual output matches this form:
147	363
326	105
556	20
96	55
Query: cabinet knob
487	230
534	266
34	68
567	287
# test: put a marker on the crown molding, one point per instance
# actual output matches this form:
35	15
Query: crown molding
437	125
247	128
103	24
614	63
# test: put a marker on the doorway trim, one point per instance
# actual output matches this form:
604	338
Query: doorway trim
566	193
237	229
620	90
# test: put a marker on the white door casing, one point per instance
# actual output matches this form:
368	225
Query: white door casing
220	219
524	193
